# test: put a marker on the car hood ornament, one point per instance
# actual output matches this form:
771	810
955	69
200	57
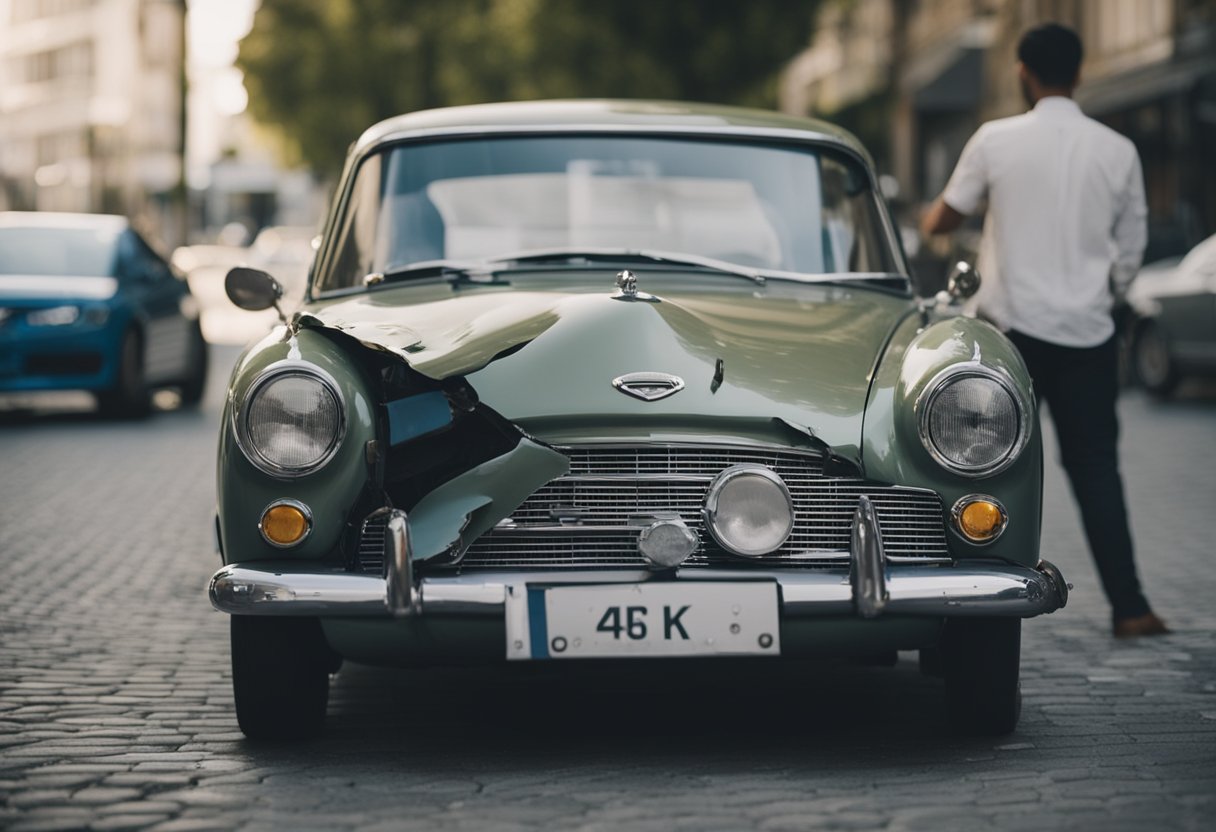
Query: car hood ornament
627	288
649	387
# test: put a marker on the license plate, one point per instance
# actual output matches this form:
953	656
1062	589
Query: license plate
647	619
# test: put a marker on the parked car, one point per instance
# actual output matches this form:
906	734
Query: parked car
87	304
590	380
1173	329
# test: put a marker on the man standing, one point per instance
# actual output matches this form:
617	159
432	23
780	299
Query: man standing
1063	237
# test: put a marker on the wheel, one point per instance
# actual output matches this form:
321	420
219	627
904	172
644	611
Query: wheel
129	397
1151	358
980	660
195	383
280	676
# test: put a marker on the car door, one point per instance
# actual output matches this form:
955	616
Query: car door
1189	308
157	297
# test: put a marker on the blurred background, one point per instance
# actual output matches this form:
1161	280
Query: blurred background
219	126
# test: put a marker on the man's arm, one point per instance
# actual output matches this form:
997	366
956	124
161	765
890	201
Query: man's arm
1130	232
964	193
940	219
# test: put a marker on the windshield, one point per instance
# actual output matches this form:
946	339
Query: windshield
773	207
62	252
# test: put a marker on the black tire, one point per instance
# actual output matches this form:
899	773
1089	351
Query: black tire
195	383
280	676
980	660
130	396
1155	368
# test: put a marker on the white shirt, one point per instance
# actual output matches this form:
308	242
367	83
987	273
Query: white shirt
1065	224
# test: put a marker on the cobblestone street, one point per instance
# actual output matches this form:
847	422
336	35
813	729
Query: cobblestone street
116	709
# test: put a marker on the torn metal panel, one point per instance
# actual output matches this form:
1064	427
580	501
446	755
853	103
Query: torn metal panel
468	505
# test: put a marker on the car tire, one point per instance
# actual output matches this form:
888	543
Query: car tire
195	383
130	396
280	676
1155	369
980	660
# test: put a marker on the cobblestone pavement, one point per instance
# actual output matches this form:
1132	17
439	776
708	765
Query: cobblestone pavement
116	713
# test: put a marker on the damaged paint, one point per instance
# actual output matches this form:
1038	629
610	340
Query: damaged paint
543	348
462	509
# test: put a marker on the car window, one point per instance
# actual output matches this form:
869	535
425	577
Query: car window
62	252
137	260
774	207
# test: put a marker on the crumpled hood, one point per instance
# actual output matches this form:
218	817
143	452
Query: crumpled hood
802	353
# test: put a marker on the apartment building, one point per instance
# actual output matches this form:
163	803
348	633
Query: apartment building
914	78
91	106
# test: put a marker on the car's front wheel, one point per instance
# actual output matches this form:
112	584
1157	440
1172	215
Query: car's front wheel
980	660
280	676
130	396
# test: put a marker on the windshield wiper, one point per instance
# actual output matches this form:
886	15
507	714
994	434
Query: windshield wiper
674	258
455	271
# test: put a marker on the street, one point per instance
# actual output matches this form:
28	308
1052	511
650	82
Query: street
116	710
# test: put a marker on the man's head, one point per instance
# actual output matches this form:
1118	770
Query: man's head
1049	61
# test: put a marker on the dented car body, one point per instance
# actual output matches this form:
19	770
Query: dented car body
621	380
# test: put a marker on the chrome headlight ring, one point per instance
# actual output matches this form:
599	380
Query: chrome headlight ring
275	372
923	410
713	509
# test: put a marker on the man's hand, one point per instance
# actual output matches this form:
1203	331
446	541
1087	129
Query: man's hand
940	218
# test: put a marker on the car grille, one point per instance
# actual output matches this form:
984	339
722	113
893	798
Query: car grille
591	516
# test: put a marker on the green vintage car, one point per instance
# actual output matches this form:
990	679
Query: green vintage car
604	380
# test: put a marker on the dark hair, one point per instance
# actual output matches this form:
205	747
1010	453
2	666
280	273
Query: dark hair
1052	53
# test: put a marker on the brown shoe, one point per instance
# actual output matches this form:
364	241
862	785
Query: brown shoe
1140	625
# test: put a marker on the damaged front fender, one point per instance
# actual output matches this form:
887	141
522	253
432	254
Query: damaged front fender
462	509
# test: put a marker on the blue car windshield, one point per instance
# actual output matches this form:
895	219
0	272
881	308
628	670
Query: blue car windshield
796	209
61	252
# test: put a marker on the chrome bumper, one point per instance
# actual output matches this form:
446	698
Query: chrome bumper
869	587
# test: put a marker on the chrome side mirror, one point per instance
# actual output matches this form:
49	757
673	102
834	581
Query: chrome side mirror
252	289
963	282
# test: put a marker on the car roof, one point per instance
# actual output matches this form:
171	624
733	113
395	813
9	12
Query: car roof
607	115
55	219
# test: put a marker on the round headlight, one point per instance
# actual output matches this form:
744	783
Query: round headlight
973	421
749	511
291	422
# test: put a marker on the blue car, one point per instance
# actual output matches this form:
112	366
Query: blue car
86	304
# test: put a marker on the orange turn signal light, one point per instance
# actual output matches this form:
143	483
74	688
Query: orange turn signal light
980	519
285	523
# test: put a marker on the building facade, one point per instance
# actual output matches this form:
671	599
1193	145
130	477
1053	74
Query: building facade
91	108
914	78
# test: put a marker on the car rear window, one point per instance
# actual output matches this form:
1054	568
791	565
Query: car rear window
64	252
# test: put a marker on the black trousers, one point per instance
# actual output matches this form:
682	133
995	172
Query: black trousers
1080	386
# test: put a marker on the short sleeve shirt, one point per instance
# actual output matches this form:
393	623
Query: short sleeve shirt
1065	220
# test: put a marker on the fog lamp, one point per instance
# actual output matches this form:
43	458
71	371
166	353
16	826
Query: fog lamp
979	519
667	543
748	511
285	523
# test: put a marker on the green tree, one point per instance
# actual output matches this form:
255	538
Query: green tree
319	71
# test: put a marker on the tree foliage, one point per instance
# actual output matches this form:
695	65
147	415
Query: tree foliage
320	71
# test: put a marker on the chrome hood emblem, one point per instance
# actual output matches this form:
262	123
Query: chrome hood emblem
649	387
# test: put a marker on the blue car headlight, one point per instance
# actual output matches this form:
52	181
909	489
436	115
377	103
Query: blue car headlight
54	316
68	315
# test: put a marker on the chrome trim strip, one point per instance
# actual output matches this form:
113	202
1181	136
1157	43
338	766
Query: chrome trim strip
401	595
305	510
970	369
867	564
969	588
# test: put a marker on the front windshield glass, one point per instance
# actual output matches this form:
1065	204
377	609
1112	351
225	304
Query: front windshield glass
60	252
770	207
